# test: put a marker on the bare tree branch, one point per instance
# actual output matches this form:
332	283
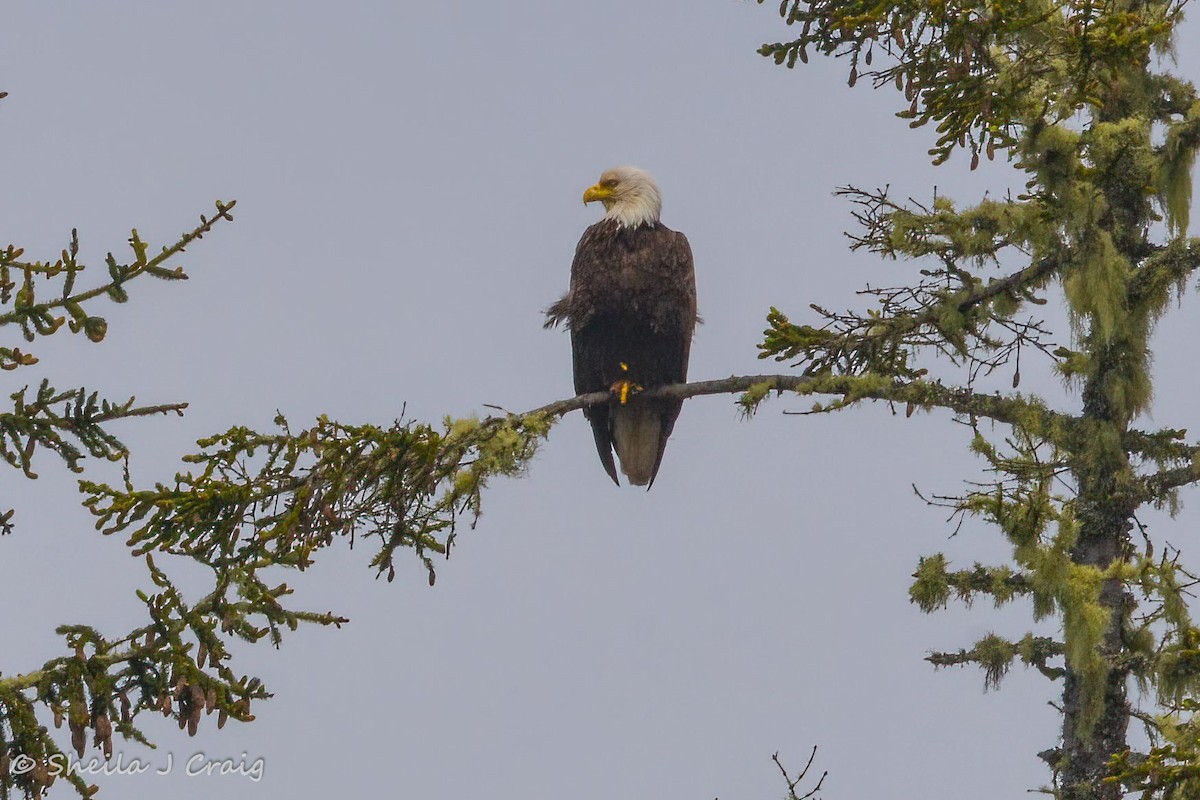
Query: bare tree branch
792	783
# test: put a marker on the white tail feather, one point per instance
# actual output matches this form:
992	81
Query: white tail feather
635	431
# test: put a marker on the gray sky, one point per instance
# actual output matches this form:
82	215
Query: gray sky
408	179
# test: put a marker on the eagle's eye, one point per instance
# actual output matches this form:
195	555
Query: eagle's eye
611	183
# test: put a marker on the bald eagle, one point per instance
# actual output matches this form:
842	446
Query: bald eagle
631	310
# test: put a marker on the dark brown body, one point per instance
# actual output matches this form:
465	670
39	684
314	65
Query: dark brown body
632	301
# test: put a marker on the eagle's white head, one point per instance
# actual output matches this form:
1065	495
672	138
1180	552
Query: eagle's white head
630	196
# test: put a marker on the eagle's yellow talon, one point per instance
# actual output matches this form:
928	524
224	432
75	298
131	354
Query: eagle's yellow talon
622	389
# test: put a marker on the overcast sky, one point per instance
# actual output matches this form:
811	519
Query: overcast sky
408	178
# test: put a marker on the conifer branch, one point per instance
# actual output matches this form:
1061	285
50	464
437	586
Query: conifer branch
952	311
1033	275
852	388
1157	486
682	391
175	665
71	423
109	658
1166	268
258	499
1162	446
77	412
934	584
995	656
34	317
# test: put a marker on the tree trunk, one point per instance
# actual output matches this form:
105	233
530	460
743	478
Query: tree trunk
1104	529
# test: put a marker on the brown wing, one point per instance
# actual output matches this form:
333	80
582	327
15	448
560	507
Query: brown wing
675	338
588	357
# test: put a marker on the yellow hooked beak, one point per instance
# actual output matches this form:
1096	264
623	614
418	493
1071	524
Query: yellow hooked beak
597	192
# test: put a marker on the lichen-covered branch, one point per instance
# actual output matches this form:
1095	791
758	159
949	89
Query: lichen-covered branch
934	584
851	389
995	655
1164	271
955	311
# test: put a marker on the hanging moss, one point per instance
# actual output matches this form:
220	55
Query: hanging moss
1096	287
1120	153
995	655
931	588
1175	170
